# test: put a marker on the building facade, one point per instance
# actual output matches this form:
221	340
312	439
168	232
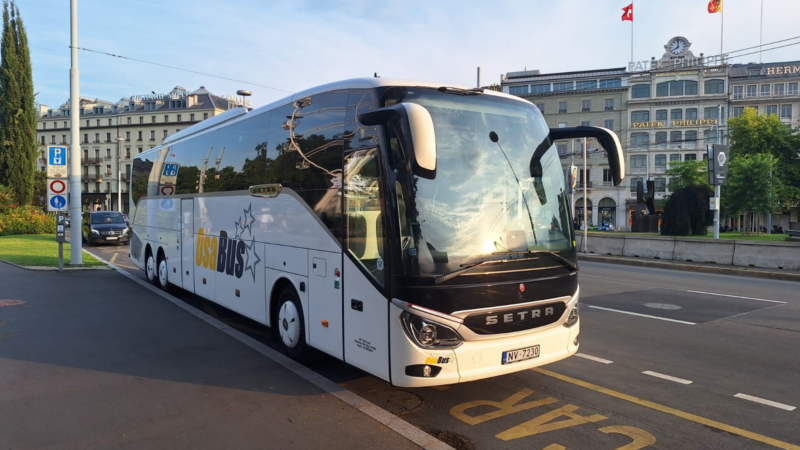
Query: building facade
584	98
112	134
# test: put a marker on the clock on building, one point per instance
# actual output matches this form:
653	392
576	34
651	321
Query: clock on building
677	46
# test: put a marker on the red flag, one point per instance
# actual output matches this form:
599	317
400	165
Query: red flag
628	14
715	6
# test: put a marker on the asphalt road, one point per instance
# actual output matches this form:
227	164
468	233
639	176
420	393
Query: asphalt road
669	359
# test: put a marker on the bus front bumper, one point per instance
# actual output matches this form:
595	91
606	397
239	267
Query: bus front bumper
474	360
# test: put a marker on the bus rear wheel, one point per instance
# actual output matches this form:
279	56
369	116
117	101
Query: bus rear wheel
290	324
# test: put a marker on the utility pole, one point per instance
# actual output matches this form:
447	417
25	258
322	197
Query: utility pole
585	212
479	78
769	211
76	243
717	187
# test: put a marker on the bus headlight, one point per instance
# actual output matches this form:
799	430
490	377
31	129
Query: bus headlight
572	319
429	334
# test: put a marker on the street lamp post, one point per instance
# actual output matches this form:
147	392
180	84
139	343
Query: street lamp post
119	173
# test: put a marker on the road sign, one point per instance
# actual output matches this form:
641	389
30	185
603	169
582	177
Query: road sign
717	164
56	203
61	222
167	190
56	162
169	176
57	186
167	204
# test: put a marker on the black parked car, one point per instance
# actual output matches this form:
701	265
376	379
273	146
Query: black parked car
105	226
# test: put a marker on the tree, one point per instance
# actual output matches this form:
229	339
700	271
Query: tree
752	134
752	185
687	173
17	109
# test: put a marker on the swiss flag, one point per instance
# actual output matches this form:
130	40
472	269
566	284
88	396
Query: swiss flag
628	13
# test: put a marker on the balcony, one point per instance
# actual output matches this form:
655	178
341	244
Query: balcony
93	177
109	157
43	158
125	177
95	160
580	185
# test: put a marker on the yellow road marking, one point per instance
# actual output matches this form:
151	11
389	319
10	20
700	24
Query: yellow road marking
671	411
114	258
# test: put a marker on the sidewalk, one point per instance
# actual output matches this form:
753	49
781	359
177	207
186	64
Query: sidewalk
755	272
94	360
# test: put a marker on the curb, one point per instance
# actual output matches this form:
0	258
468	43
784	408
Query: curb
396	424
55	269
722	270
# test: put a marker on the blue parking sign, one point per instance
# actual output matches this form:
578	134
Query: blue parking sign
170	170
56	162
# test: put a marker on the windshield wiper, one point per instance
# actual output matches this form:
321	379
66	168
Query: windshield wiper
567	263
511	256
460	91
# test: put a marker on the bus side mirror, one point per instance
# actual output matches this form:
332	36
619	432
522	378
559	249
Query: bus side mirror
607	139
418	135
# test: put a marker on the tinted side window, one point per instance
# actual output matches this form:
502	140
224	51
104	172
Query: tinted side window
355	134
242	153
205	150
144	176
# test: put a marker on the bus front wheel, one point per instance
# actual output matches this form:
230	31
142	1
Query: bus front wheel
291	329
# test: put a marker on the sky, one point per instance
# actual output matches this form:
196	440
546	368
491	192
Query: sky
285	47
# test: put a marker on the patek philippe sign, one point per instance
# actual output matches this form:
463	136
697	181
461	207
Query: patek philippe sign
674	123
172	96
676	57
717	164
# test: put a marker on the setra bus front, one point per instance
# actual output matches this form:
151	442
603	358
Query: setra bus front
484	267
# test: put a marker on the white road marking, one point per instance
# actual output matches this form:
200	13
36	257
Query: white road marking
593	358
765	402
667	377
737	296
114	258
642	315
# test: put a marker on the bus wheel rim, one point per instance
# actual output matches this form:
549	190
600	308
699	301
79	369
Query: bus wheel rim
289	324
162	272
150	268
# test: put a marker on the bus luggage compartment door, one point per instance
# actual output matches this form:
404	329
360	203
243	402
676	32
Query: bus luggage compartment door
325	302
186	266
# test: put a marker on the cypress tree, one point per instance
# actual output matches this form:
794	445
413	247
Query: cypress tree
17	113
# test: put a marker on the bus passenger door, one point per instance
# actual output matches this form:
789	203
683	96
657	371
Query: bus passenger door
325	302
366	308
187	244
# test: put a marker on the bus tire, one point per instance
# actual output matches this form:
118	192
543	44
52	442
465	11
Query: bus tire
162	272
150	266
290	325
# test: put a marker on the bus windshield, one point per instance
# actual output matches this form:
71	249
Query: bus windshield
499	187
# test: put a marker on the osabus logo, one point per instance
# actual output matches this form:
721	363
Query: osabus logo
225	255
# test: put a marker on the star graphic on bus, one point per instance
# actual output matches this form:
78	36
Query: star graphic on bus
251	249
247	225
238	227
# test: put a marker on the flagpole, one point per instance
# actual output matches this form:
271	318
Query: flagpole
631	32
721	28
761	31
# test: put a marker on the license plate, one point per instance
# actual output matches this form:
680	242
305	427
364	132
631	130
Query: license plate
112	238
522	354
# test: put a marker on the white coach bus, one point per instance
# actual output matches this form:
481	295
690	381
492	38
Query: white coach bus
419	232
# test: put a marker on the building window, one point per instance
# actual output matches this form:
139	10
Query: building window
164	134
108	153
53	139
786	111
562	124
792	89
191	117
676	88
691	113
765	90
660	184
166	118
639	161
562	107
109	123
205	116
139	138
611	83
591	84
152	135
738	92
85	138
586	105
127	152
691	136
674	157
676	114
737	111
141	119
640	116
127	135
661	160
712	113
609	104
562	150
778	89
139	149
710	134
609	124
179	117
675	136
43	140
541	107
690	157
540	88
108	137
772	109
97	137
129	120
568	86
607	178
585	123
640	91
518	90
751	90
661	114
153	119
634	183
714	87
640	138
97	122
661	137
